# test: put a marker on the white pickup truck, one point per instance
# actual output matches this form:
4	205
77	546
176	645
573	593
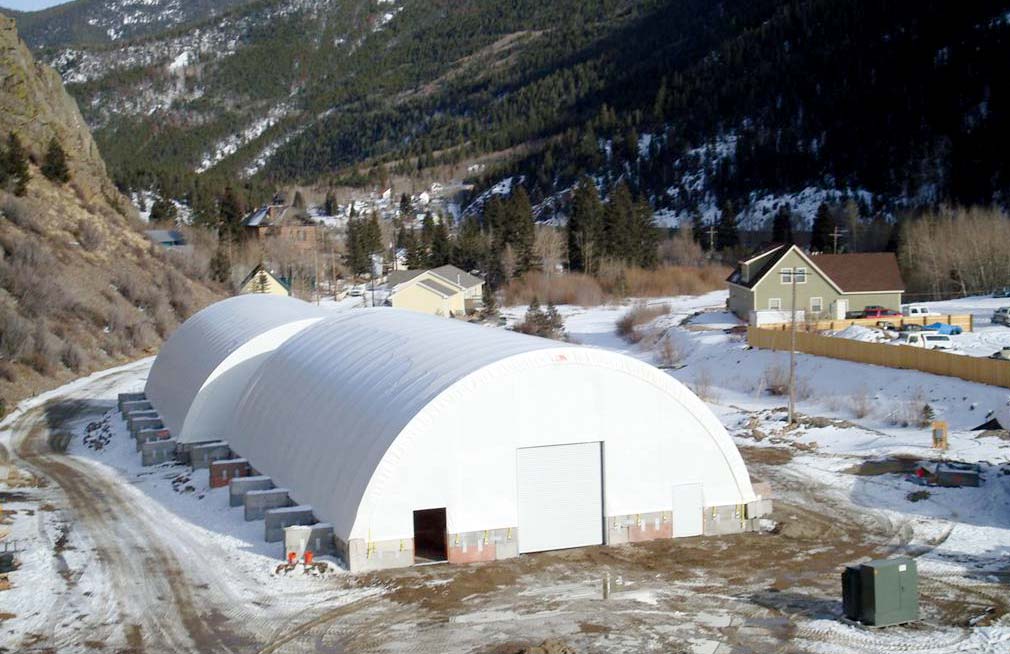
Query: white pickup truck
917	311
926	340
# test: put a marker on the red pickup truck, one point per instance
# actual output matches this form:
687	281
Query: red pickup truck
878	312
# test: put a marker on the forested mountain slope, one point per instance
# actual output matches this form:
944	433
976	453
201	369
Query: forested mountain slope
695	103
81	287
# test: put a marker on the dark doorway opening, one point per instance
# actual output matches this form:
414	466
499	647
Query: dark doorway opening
429	536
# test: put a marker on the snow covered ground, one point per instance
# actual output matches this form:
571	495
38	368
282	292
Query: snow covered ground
841	495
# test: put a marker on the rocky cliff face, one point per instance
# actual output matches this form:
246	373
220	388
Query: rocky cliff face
34	105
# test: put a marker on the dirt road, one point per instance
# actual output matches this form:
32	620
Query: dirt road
150	598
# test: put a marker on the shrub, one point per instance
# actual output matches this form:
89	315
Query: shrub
142	335
538	322
620	281
862	404
639	314
7	372
89	235
776	379
15	334
703	385
573	288
44	355
669	354
73	357
19	212
180	295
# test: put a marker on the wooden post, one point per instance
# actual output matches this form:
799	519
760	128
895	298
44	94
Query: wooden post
792	356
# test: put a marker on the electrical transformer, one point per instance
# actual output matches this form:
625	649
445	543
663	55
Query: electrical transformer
881	593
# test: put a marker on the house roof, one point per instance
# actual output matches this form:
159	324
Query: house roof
457	276
736	276
399	276
442	289
862	272
166	236
258	218
260	267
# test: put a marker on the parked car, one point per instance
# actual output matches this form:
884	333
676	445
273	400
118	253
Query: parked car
356	291
1003	354
927	340
943	328
917	310
878	312
1002	292
910	327
1001	316
886	325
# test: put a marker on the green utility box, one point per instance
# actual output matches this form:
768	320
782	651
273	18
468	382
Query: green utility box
881	593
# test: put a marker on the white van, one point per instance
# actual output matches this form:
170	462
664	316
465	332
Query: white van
927	340
1001	316
917	310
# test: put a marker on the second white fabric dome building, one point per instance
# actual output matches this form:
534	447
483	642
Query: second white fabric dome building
421	436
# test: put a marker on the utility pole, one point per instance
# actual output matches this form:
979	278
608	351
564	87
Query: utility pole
792	355
711	239
835	236
315	261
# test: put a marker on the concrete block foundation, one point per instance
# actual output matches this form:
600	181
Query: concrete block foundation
237	488
149	435
258	502
722	520
376	555
145	423
183	451
639	527
275	520
201	456
135	406
488	545
131	418
223	471
154	453
123	398
317	538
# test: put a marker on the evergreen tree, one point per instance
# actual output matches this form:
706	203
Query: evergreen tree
824	226
262	283
471	245
490	302
522	232
330	206
54	165
16	165
299	201
406	207
163	211
646	236
698	230
727	236
618	225
782	225
220	265
229	216
585	228
416	254
441	245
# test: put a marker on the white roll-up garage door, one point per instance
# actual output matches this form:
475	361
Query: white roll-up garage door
560	496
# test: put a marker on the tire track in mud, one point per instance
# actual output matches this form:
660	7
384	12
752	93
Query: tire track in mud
152	593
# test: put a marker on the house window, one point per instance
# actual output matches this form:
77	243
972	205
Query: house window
816	305
775	304
801	275
787	275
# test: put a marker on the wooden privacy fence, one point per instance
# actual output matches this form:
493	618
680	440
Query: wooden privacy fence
964	321
937	362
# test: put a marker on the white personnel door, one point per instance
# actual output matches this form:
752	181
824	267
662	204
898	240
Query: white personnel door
688	510
560	501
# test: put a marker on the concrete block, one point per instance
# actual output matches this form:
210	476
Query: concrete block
135	406
257	502
145	423
275	520
721	520
237	488
184	450
139	415
148	435
758	508
223	471
128	397
201	456
487	545
362	556
157	452
317	538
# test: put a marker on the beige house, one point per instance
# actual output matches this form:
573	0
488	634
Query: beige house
446	291
826	285
261	280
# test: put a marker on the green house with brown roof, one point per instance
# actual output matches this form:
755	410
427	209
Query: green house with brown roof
827	285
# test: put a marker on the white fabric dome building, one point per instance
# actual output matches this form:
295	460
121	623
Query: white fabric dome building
202	369
422	438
